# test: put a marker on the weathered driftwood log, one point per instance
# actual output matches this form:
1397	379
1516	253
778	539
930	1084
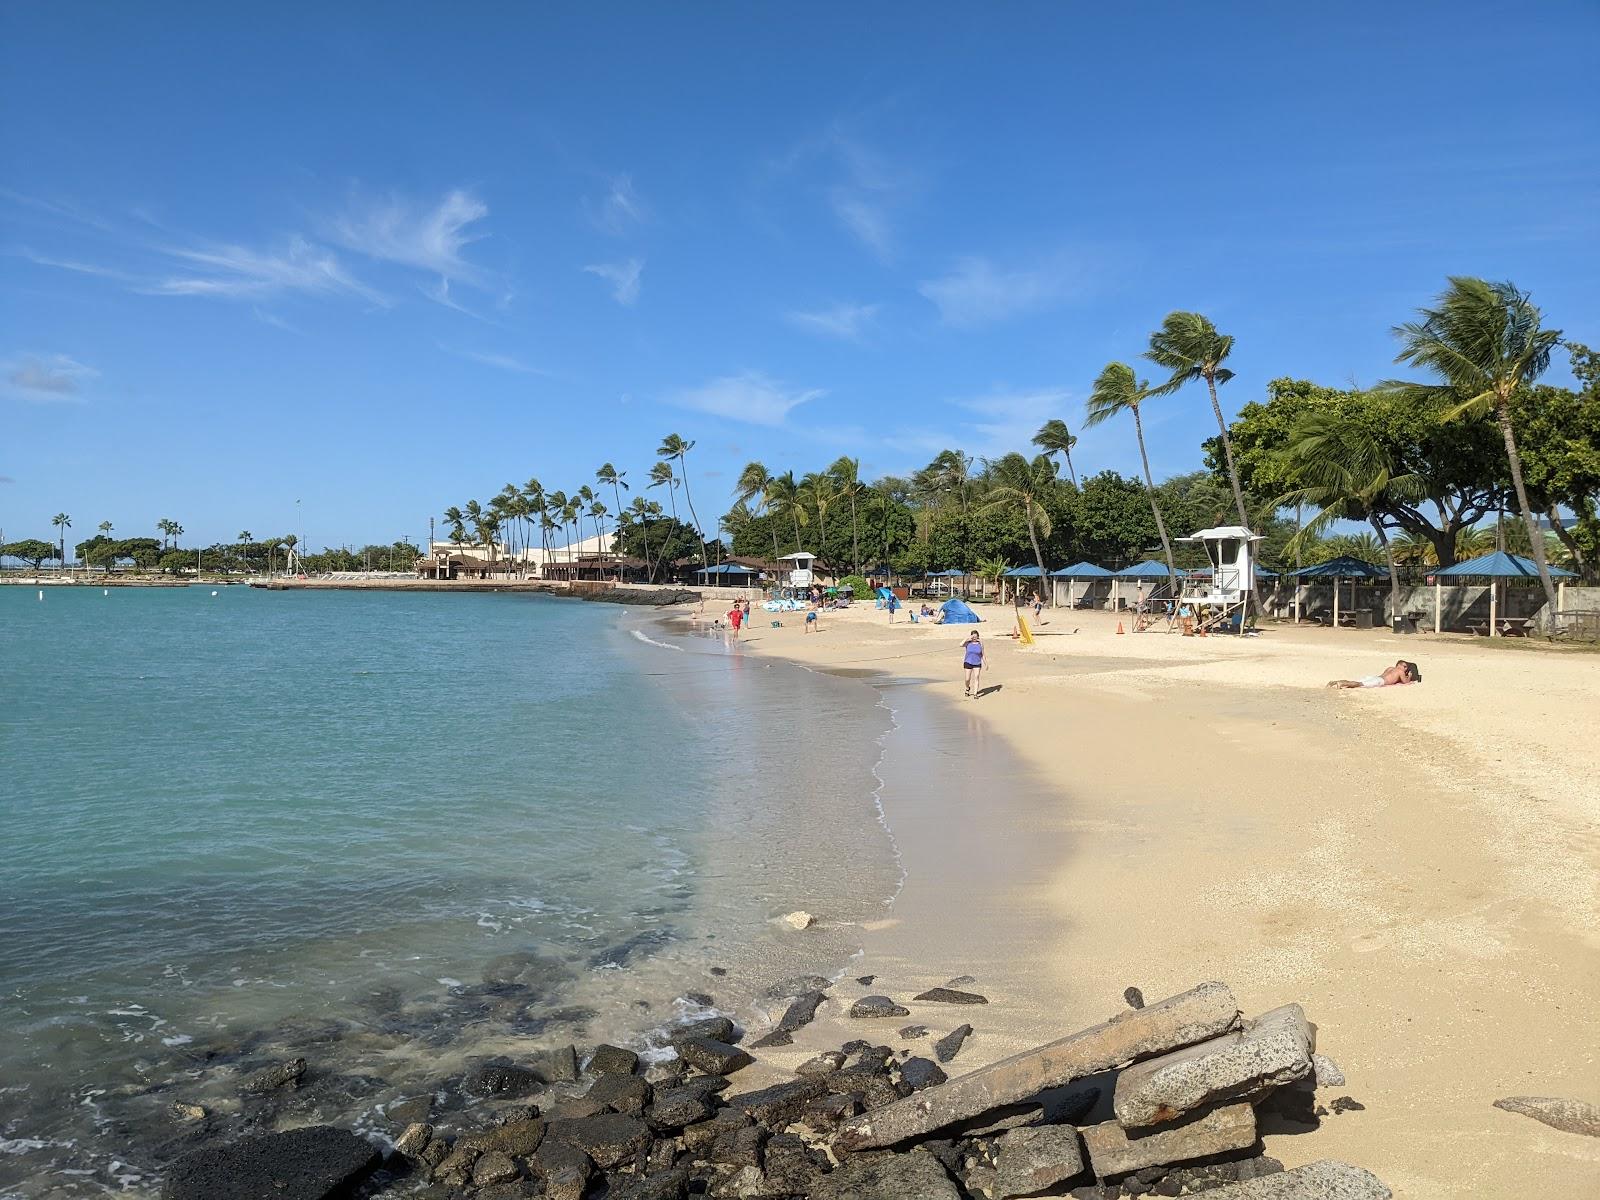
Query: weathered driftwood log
1203	1012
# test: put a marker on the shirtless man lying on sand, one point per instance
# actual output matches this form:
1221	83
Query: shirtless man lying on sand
1402	672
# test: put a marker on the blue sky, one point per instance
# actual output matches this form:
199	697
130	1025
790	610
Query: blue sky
383	258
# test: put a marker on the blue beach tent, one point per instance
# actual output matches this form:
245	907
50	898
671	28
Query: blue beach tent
1023	573
1148	569
1500	565
959	612
1343	567
1081	570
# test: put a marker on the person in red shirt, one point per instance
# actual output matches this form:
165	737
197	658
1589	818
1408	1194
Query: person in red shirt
736	618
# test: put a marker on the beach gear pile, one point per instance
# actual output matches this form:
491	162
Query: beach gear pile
1166	1099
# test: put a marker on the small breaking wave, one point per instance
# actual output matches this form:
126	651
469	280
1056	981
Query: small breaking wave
644	637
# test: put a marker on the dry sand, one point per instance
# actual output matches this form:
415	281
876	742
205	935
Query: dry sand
1417	865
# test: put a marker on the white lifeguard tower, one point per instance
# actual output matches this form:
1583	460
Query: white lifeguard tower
1231	549
800	574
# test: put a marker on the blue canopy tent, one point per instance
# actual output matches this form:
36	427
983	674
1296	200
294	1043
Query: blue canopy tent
952	573
1337	569
1494	567
1032	572
1148	569
724	570
1080	570
958	612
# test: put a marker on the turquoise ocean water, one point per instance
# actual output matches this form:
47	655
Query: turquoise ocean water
241	824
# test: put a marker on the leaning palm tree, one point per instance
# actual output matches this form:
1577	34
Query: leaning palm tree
846	473
755	487
1021	485
1485	343
1054	438
673	446
1346	474
639	511
62	522
661	476
1117	391
819	491
1188	345
785	498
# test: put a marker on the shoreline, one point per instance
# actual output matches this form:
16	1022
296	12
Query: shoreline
1356	859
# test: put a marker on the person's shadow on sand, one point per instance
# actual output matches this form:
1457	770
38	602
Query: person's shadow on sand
982	692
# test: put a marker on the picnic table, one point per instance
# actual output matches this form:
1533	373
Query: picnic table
1506	627
1356	618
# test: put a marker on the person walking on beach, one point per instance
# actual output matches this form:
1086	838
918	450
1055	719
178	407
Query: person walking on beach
735	617
972	661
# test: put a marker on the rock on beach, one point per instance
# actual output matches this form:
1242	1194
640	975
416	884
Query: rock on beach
314	1163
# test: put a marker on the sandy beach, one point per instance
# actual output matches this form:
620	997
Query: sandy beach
1416	865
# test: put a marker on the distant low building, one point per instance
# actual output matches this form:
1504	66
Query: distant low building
449	564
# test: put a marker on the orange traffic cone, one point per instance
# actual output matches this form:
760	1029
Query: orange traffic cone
1119	626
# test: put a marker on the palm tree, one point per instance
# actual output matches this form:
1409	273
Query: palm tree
1484	340
105	528
557	500
291	552
661	475
1188	345
456	519
785	497
62	522
167	526
639	510
609	474
1117	391
672	446
846	472
992	569
1054	438
1344	472
755	486
1018	484
820	491
244	543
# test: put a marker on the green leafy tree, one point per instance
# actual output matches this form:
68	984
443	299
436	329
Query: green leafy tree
846	475
1116	391
30	550
1485	342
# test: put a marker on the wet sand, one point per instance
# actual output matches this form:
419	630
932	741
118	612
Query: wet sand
1415	865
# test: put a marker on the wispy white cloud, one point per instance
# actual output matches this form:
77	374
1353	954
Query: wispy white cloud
842	320
47	378
619	210
991	424
429	238
76	266
503	362
976	291
241	272
622	276
750	396
864	188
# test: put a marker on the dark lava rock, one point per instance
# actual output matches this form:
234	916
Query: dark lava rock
797	985
609	1138
280	1075
500	1079
620	1093
789	1165
826	1113
950	1044
919	1073
801	1011
613	1060
639	945
521	1138
737	1147
494	1167
408	1112
912	1032
315	1163
564	1170
519	1189
916	1175
575	1109
1134	997
866	980
712	1056
776	1038
870	1091
718	1029
940	995
678	1107
780	1104
658	1185
555	1066
877	1006
825	1063
705	1085
1344	1104
700	998
719	972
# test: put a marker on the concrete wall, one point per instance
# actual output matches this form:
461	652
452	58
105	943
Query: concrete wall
1463	603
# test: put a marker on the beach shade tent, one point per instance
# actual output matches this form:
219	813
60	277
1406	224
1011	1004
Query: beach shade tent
1080	570
958	612
727	572
1337	569
1032	572
1494	567
952	573
1148	569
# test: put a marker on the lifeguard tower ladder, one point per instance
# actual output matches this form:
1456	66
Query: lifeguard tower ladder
1222	599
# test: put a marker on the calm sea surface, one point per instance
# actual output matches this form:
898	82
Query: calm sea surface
237	825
